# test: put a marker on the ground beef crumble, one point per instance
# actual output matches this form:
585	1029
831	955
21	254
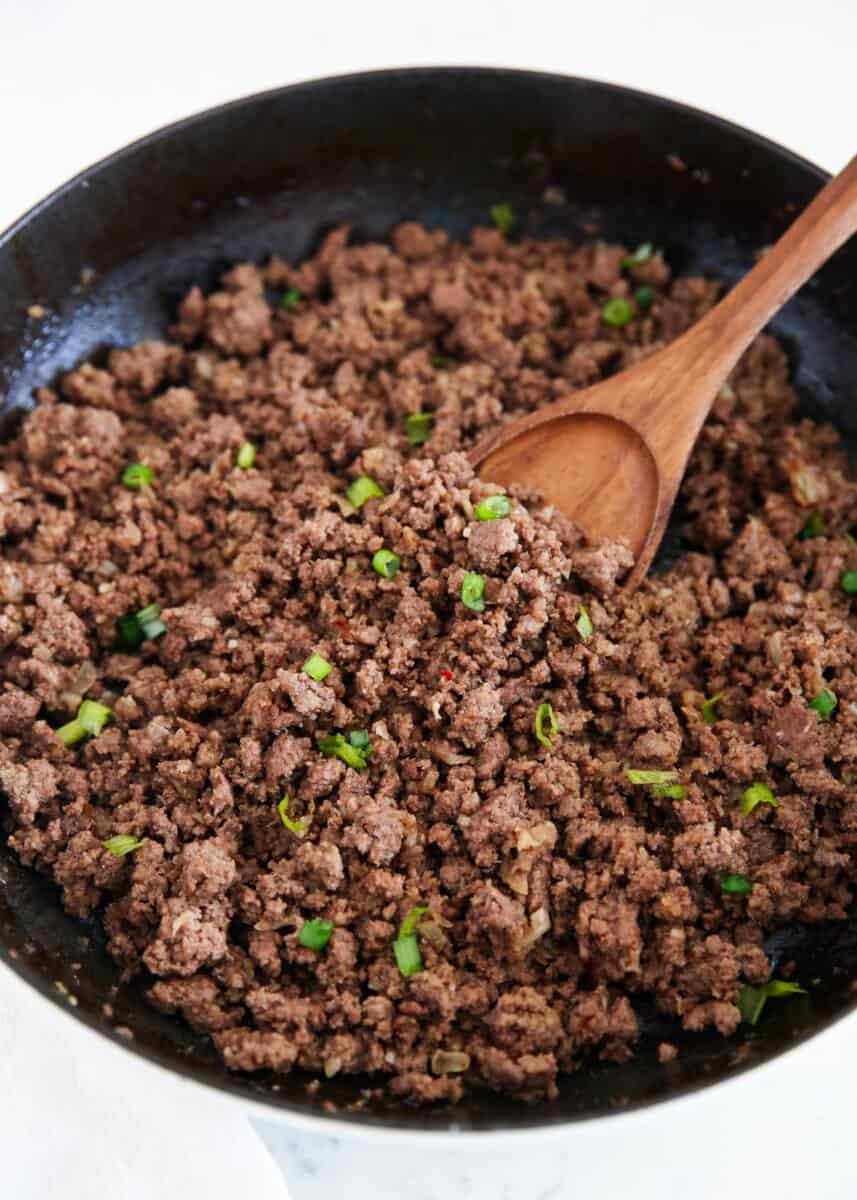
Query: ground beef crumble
557	891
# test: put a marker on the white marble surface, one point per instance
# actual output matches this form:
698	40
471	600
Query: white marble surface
79	79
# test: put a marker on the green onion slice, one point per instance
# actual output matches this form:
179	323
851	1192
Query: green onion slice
408	957
246	456
130	632
824	704
640	256
492	508
315	934
644	297
93	717
316	667
848	582
362	489
291	298
757	793
670	791
736	885
443	362
418	427
122	844
656	777
386	563
584	625
813	526
145	625
71	732
137	476
89	722
545	715
298	828
503	216
412	920
336	746
617	312
752	1000
473	591
405	947
709	708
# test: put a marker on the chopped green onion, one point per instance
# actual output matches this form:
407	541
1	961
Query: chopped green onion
93	717
362	489
315	934
90	720
813	526
584	625
418	427
640	256
70	733
736	885
503	216
670	791
824	704
291	298
618	312
412	920
336	746
757	793
848	582
359	739
405	947
149	619
492	508
298	828
473	591
752	1000
545	713
146	625
122	844
130	633
656	777
645	297
386	563
246	456
148	614
316	667
137	476
442	362
408	957
709	709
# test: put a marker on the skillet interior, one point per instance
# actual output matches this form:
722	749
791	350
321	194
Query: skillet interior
438	145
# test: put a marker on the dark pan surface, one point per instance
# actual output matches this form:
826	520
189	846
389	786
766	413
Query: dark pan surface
270	174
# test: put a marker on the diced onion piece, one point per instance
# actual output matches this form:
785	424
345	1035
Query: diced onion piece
808	485
449	1062
540	923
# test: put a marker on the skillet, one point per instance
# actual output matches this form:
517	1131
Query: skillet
108	256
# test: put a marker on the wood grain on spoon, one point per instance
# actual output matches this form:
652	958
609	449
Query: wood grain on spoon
612	456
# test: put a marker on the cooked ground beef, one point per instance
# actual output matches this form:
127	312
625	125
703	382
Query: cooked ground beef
556	889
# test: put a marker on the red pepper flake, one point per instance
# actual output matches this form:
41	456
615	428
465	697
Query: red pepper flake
446	674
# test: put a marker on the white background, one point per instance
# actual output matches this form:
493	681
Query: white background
78	80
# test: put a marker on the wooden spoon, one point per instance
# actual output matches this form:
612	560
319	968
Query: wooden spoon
612	456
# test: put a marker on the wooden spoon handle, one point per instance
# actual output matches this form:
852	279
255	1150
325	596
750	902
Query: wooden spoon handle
725	332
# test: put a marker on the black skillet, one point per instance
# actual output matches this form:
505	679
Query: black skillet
270	174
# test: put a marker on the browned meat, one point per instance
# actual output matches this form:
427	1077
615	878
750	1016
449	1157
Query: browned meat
556	890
